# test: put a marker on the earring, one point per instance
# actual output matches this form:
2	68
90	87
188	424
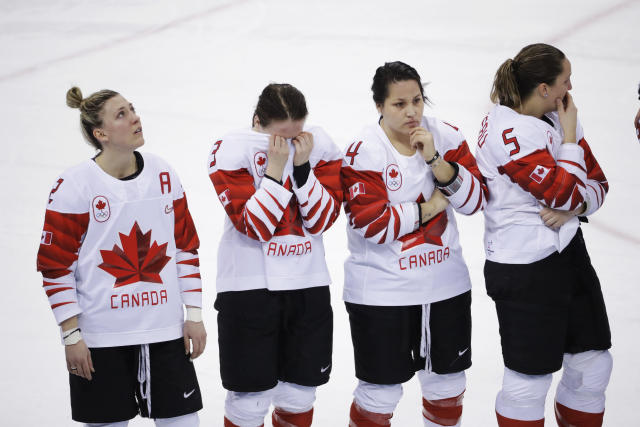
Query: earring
546	94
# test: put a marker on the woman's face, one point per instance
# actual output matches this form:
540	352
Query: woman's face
121	128
284	128
560	86
403	107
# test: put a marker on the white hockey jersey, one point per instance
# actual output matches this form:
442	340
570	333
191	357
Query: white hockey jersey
120	254
273	233
393	261
526	167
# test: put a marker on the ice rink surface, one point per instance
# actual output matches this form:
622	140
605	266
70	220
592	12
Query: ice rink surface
194	70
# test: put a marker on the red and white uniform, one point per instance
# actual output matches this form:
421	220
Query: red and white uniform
527	167
393	261
273	233
122	255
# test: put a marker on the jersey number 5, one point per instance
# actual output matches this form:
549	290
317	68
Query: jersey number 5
511	140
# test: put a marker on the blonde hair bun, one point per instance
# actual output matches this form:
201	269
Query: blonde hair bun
74	97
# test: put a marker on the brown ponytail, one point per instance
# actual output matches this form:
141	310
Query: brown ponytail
517	78
90	111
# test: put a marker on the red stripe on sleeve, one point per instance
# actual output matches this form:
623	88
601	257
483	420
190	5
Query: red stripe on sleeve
60	304
55	259
56	290
594	171
192	261
554	189
185	230
463	157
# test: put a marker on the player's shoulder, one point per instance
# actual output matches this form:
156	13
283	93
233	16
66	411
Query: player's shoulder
445	133
233	150
507	123
324	148
153	161
70	189
366	150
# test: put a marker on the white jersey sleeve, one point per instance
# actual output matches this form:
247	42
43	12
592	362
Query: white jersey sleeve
466	191
255	212
319	199
367	206
524	156
65	225
187	244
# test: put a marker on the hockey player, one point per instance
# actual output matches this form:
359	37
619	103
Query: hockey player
542	176
279	184
119	260
407	288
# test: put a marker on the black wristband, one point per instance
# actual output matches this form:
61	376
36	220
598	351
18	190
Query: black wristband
453	185
301	173
433	159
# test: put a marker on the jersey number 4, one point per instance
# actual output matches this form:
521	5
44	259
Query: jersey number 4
512	140
353	152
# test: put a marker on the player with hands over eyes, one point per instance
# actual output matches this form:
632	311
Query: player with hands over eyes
279	184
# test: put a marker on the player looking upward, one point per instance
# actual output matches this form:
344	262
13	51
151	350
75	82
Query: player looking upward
119	258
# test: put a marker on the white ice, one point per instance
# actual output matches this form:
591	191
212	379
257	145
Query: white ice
194	70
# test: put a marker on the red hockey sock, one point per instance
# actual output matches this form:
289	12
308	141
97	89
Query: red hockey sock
282	418
445	412
228	423
510	422
568	417
360	417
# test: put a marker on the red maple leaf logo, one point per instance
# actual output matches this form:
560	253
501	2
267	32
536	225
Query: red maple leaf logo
137	261
100	205
291	222
540	171
261	161
393	173
430	232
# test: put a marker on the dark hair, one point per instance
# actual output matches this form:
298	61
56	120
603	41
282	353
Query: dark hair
90	111
280	101
517	78
392	72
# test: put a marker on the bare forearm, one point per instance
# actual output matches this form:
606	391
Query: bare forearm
442	170
70	323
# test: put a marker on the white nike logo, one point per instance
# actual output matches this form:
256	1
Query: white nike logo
460	353
323	370
186	395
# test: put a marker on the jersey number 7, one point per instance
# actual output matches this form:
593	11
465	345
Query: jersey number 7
511	140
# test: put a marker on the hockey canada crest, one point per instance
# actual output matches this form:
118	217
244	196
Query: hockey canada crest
260	163
101	208
393	177
138	260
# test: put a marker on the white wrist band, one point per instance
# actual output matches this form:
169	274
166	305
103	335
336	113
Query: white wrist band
72	336
194	314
